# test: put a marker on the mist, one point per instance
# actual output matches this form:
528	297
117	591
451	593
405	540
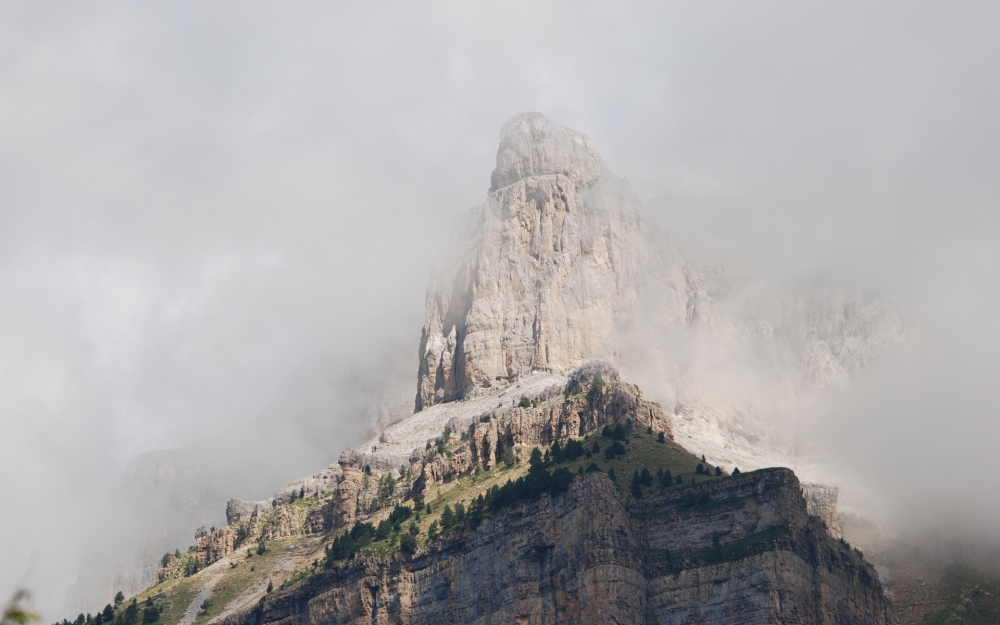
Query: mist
219	220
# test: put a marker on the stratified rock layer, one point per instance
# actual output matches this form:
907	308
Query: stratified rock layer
741	550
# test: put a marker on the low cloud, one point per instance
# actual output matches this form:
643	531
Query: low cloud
218	219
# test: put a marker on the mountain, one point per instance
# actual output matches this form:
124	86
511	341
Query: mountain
535	483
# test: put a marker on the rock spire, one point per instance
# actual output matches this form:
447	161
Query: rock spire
548	267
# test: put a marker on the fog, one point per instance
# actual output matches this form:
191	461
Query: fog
219	219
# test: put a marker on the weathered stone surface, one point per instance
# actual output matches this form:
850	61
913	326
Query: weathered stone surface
238	510
587	556
551	267
217	544
821	501
316	484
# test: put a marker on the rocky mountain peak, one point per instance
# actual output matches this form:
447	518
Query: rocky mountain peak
531	144
545	270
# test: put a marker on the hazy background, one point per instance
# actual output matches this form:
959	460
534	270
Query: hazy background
214	215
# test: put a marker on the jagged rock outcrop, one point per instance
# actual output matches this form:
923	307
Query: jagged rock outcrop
303	517
551	267
238	510
742	550
316	484
568	411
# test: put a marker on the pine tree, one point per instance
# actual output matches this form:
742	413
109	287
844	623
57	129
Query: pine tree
636	487
645	478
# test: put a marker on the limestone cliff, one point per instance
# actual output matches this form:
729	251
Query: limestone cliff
742	550
547	271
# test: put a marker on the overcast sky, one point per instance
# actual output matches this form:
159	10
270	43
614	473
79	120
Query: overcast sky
202	200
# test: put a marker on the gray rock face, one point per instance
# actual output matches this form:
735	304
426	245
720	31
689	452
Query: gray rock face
238	510
533	145
316	484
551	267
738	551
821	501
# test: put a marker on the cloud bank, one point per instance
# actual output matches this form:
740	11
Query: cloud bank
214	214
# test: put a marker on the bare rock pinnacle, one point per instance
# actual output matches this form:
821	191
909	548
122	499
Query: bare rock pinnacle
551	265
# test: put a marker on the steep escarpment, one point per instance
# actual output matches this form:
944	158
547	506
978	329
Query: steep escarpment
739	550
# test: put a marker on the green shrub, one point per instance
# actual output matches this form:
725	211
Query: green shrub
408	544
645	478
508	457
347	545
614	450
616	432
664	478
595	388
636	487
151	612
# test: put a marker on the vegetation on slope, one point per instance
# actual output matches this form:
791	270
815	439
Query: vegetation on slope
640	463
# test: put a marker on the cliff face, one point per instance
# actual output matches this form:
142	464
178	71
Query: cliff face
550	267
740	550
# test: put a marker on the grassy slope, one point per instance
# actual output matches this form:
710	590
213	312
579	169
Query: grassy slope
643	450
248	578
